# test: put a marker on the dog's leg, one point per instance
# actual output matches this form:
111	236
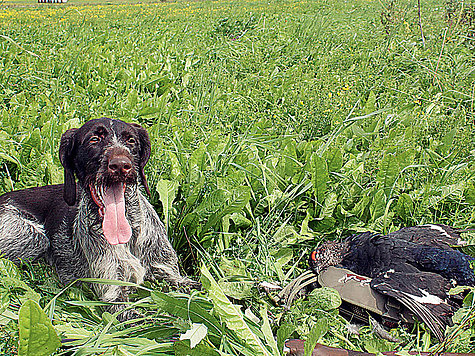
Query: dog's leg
106	267
22	237
117	263
156	252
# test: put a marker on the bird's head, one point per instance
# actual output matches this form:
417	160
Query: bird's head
330	253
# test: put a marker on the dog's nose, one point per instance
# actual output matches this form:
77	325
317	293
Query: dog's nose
120	165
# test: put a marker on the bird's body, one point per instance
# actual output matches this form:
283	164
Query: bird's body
415	266
370	254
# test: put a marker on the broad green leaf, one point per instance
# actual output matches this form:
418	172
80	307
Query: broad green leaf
318	330
447	141
37	335
282	257
319	177
167	190
370	105
403	353
183	349
233	267
378	205
407	157
4	299
231	314
197	333
357	131
187	310
238	200
35	139
304	228
71	123
70	331
329	205
240	221
469	192
267	331
404	206
458	289
288	163
239	289
211	203
334	159
388	172
175	167
324	298
193	191
199	157
283	333
461	314
9	158
322	225
377	345
148	111
285	235
10	278
9	269
467	301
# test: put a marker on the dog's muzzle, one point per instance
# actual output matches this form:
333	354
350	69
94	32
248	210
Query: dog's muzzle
110	199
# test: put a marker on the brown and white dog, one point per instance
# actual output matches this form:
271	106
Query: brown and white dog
100	227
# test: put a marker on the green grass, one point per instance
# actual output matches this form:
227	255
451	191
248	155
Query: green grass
33	3
275	125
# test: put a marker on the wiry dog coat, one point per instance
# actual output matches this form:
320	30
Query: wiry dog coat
100	227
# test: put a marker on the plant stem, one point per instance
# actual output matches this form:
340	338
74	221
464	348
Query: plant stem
420	22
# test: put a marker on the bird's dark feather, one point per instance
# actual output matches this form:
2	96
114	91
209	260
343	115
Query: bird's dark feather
436	235
414	265
424	293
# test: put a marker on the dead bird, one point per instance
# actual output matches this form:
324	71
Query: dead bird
417	275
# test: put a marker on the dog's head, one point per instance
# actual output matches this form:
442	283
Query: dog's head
105	156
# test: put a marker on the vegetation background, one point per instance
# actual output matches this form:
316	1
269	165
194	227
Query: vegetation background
275	125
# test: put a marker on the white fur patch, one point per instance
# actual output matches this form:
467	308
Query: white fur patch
134	271
18	222
117	144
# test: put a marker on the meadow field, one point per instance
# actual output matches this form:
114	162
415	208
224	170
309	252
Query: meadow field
275	125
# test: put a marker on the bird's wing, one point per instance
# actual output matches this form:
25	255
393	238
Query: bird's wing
423	293
435	235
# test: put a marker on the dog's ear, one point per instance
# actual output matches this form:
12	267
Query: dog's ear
66	151
145	151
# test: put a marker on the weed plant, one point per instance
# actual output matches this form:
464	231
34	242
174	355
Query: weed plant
275	125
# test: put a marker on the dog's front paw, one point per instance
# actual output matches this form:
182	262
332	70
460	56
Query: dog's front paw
188	284
194	284
129	314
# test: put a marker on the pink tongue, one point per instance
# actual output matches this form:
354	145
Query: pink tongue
114	225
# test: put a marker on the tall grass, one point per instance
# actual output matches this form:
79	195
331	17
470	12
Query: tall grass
275	125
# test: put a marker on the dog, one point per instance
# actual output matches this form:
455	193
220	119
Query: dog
101	226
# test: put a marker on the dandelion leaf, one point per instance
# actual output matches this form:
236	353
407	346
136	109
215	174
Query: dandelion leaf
37	335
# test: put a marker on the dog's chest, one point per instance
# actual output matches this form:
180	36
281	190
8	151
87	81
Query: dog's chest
120	261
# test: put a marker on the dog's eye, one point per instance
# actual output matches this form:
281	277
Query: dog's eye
131	141
94	139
